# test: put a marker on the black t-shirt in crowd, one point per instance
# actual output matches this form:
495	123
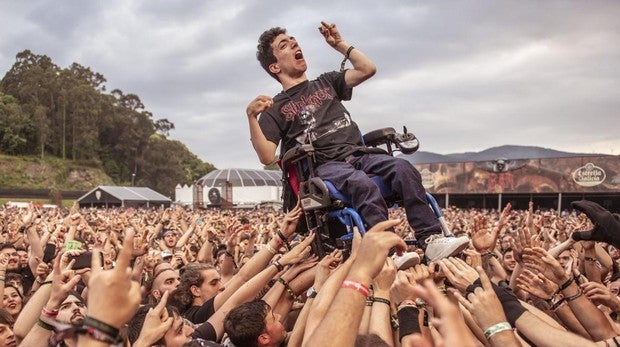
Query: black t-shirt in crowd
200	314
335	135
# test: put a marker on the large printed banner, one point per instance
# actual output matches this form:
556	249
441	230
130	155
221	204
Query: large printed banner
576	174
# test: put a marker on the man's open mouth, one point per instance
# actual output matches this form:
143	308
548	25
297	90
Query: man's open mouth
299	55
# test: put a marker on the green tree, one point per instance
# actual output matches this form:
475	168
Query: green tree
14	126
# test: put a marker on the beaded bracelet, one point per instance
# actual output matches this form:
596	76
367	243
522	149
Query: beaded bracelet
381	300
494	329
357	286
288	288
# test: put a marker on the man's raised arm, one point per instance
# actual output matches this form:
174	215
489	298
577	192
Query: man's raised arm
265	149
363	67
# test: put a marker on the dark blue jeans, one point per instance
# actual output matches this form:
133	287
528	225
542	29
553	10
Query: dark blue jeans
351	178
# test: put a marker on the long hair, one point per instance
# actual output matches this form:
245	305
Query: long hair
191	275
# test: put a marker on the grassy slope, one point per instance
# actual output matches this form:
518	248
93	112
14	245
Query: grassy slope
49	173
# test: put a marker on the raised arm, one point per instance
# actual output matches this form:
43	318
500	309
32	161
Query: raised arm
265	149
363	67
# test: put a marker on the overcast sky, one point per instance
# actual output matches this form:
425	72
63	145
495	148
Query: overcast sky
462	75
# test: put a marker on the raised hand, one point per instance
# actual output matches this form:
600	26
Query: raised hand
299	252
538	260
458	273
260	104
383	282
113	297
599	294
606	225
536	284
330	33
290	221
325	266
483	303
156	323
373	250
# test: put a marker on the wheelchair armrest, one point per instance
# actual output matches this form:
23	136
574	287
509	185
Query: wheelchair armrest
295	154
406	142
379	137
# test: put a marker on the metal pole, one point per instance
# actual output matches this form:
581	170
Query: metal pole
499	202
559	203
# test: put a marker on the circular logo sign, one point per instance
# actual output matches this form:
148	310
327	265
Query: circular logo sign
589	175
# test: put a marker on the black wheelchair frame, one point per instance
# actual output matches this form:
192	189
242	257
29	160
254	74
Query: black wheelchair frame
326	211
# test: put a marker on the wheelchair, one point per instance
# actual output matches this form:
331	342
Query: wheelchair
327	211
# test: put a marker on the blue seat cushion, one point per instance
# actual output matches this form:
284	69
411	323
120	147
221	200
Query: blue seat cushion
336	194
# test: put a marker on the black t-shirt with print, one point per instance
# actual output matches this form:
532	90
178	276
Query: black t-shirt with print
335	137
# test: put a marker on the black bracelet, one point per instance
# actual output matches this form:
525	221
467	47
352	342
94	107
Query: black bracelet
101	326
44	325
566	284
278	266
284	240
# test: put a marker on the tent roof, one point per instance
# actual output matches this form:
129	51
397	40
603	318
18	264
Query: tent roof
241	178
130	193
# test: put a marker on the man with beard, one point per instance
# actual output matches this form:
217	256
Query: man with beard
72	310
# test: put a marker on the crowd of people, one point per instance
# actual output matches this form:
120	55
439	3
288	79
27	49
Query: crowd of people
175	277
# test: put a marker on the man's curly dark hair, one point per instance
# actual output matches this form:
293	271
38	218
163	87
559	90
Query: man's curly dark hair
264	53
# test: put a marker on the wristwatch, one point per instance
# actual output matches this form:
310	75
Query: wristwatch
311	293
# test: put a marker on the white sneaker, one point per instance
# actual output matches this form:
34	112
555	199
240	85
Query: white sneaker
439	246
406	260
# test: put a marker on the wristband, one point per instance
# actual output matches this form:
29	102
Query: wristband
278	266
284	240
574	297
357	286
288	288
408	321
510	303
49	313
101	326
566	284
346	57
381	300
494	329
44	325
